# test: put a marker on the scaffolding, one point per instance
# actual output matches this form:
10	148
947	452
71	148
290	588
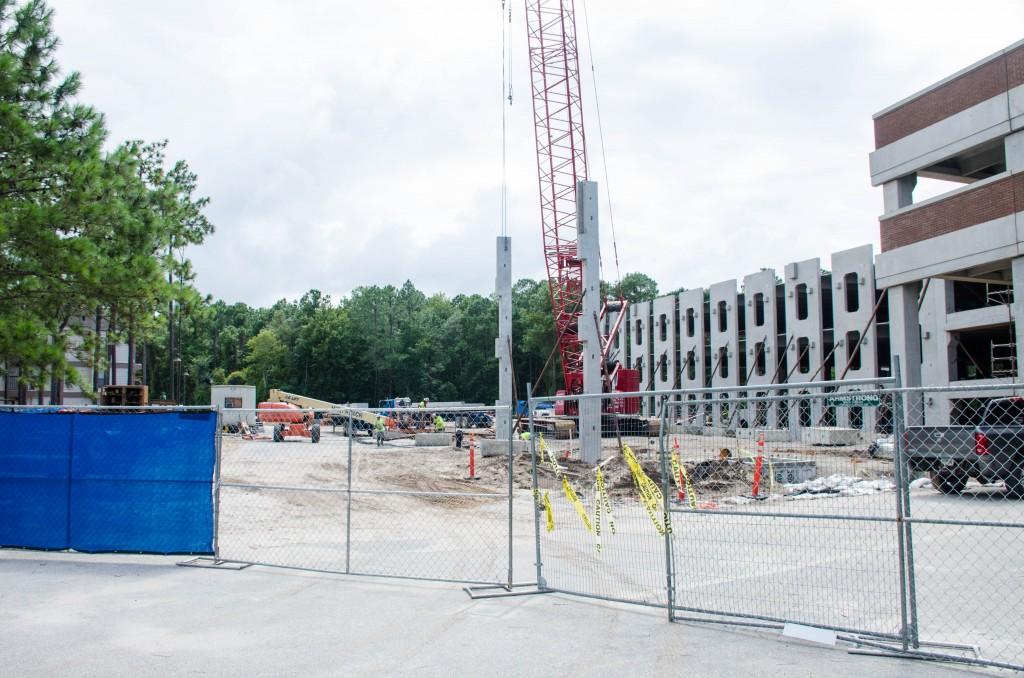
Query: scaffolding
1003	359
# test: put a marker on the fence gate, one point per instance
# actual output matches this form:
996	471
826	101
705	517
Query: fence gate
398	504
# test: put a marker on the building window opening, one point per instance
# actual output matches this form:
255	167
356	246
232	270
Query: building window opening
852	292
723	362
853	350
664	371
857	418
801	301
723	317
639	333
805	410
759	309
803	352
760	363
663	327
690	322
691	368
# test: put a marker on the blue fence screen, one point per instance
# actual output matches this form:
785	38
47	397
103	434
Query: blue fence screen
96	481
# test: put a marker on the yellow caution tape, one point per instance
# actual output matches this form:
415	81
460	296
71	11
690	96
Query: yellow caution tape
650	494
549	513
676	471
570	494
602	507
690	493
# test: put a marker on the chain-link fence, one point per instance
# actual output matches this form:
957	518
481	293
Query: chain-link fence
963	449
808	504
423	493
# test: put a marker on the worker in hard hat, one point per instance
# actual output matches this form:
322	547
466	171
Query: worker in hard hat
378	431
438	424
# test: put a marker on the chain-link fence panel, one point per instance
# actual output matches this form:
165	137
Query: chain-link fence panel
431	495
963	451
403	492
599	502
784	505
283	497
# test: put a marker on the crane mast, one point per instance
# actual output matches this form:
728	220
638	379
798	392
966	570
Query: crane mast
561	163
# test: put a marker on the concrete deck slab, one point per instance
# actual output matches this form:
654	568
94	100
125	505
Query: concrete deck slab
110	615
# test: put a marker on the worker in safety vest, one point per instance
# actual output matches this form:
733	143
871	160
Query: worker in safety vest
438	424
422	419
378	431
525	435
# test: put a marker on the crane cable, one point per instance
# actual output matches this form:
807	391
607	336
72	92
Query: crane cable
600	134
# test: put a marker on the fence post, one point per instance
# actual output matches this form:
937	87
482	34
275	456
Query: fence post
511	488
897	434
218	440
535	489
348	501
670	579
906	522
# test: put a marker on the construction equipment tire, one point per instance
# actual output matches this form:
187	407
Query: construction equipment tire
315	433
949	480
278	433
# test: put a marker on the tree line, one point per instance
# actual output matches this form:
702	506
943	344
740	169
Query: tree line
376	343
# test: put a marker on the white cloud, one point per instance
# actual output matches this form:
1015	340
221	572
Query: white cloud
348	144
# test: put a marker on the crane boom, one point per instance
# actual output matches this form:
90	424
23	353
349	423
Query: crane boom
561	164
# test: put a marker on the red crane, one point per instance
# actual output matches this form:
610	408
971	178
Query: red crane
561	163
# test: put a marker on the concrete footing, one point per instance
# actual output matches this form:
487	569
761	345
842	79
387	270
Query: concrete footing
822	435
496	448
433	439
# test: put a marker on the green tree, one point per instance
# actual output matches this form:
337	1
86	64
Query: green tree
266	362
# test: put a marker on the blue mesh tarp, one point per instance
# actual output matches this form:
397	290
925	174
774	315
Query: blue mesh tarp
108	482
35	457
143	482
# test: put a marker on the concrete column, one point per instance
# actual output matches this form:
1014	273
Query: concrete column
503	293
899	192
905	341
589	252
1018	308
1014	145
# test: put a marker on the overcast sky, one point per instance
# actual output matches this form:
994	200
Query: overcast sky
348	143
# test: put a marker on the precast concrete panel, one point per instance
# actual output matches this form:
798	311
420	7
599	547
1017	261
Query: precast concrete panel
725	363
853	301
854	328
762	349
640	346
663	338
802	282
691	351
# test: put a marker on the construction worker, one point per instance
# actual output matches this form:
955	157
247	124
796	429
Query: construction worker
421	417
438	424
378	431
525	435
